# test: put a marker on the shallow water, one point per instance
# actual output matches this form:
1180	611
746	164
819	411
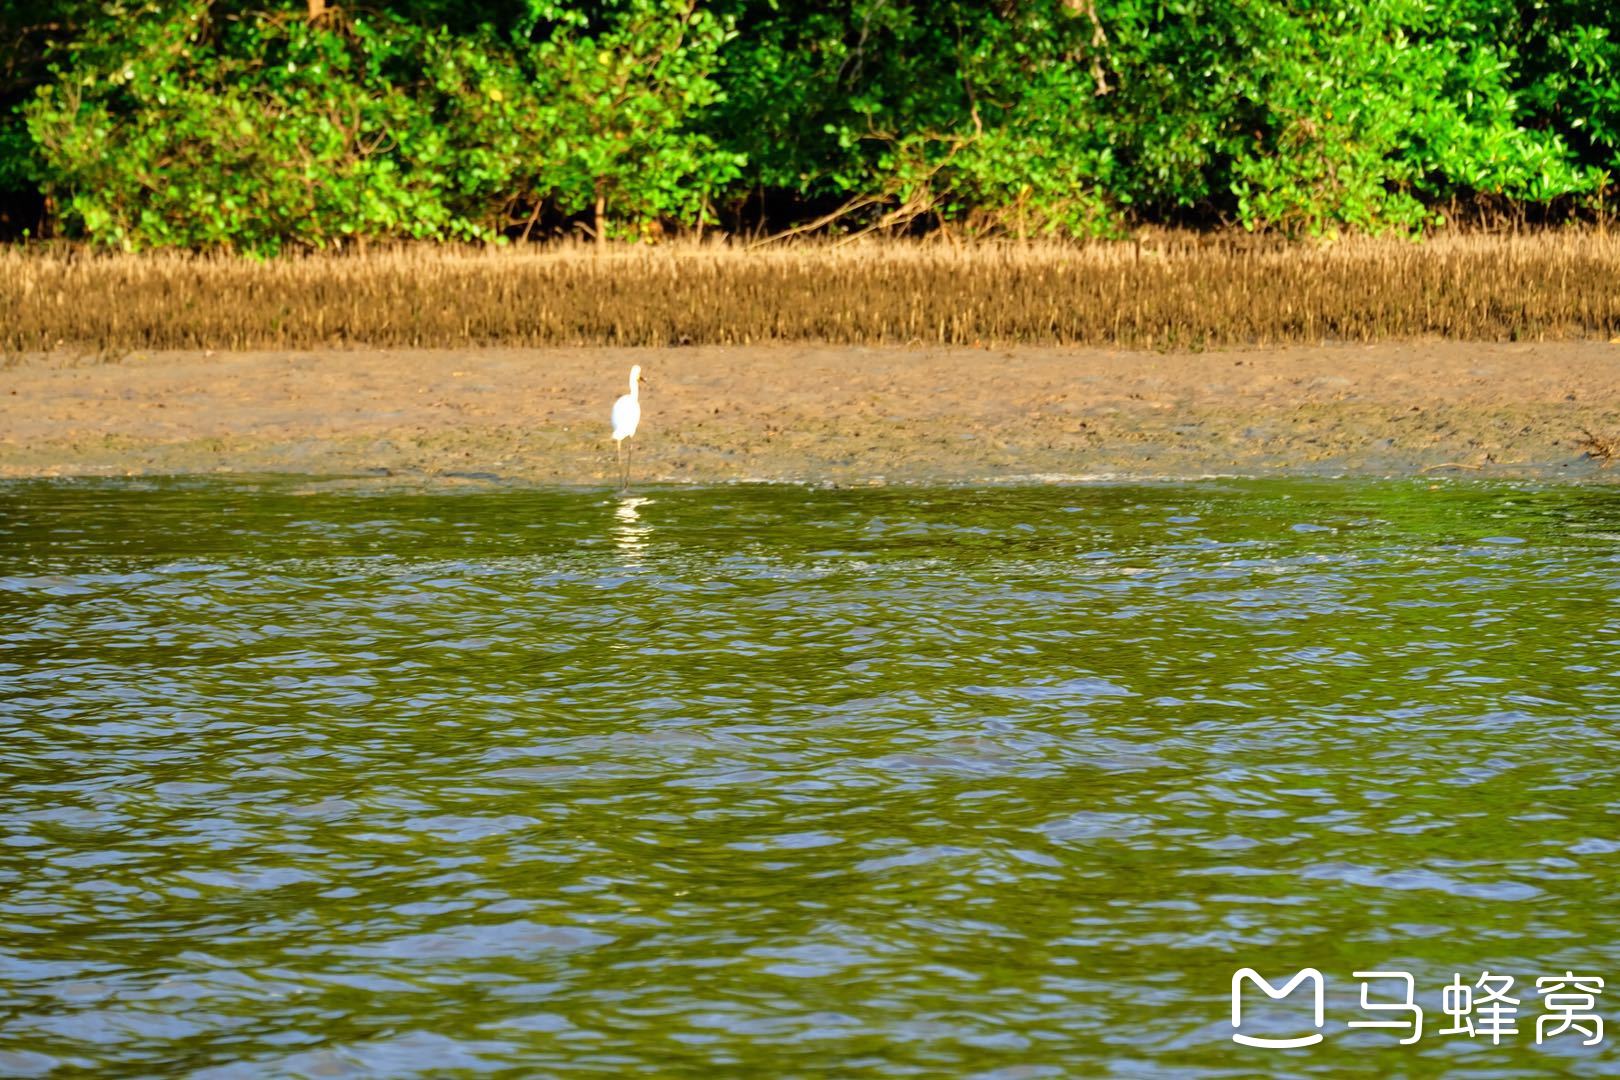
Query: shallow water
773	781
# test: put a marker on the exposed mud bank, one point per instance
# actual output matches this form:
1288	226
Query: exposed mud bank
846	415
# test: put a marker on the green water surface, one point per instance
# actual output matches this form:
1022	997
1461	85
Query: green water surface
771	781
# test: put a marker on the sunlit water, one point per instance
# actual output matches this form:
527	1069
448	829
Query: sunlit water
784	782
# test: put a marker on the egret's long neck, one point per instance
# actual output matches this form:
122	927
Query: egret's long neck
635	394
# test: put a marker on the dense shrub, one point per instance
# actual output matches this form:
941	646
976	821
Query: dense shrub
212	124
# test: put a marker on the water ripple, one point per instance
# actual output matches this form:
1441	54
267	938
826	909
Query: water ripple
775	781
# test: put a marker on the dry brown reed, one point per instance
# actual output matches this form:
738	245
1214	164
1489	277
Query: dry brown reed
1174	292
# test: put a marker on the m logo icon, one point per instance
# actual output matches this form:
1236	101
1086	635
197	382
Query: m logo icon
1275	994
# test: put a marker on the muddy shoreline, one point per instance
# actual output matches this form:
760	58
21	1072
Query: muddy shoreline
845	415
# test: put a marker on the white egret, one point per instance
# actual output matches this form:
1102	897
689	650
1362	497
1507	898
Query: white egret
626	418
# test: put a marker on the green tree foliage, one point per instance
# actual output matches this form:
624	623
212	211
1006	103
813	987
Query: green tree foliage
1316	116
608	117
230	124
193	125
974	113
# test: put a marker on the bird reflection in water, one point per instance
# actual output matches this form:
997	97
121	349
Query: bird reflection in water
630	533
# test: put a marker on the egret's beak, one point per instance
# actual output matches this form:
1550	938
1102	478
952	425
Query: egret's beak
643	380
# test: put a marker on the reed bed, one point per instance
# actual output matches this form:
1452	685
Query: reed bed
1174	292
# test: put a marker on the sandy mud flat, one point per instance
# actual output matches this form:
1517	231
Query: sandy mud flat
844	415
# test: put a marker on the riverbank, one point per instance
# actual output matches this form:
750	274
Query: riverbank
847	415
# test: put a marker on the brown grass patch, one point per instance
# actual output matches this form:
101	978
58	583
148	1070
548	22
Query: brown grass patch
1172	293
1602	448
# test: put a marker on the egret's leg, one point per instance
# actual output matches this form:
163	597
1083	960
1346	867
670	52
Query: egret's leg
618	449
628	454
